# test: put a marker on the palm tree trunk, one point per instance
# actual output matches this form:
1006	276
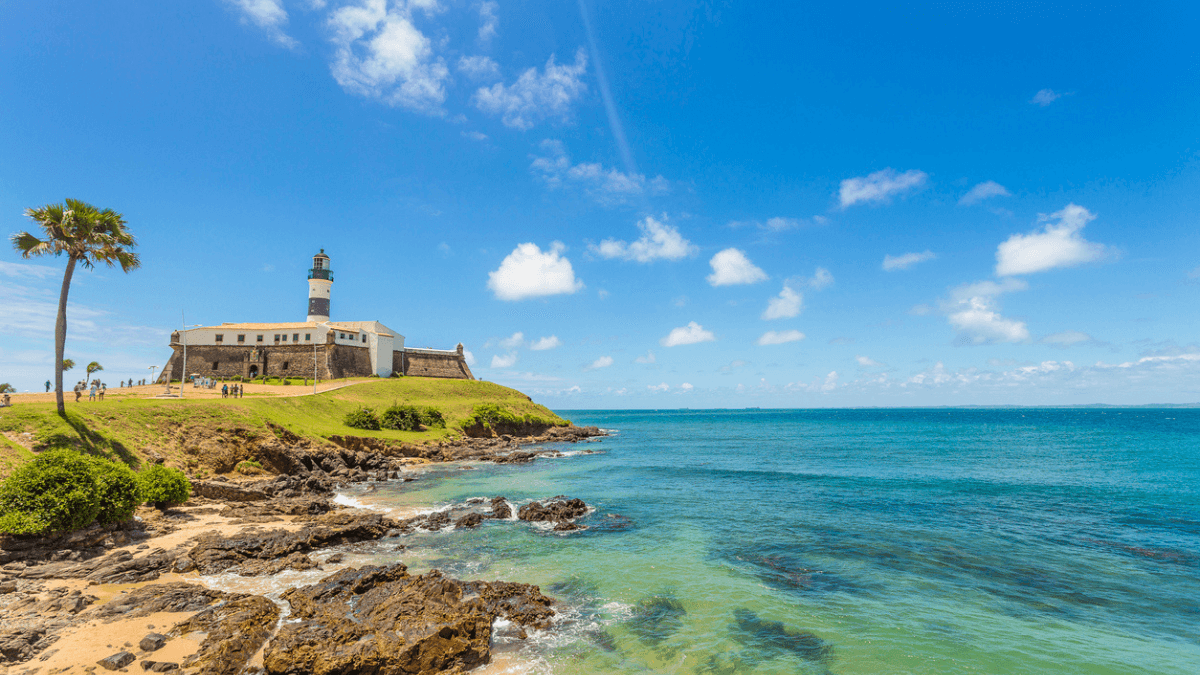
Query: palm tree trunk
60	336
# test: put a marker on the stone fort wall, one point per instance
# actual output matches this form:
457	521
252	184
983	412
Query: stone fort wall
333	361
425	364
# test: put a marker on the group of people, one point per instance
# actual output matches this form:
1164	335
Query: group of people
235	391
95	390
85	385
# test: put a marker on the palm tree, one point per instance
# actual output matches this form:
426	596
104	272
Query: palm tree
86	235
68	364
93	367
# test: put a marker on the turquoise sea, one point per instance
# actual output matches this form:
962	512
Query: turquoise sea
845	541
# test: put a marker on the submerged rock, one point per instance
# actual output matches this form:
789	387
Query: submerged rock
383	620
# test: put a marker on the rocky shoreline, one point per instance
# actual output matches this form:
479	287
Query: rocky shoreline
126	597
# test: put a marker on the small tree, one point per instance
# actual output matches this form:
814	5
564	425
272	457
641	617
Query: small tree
87	235
93	367
6	388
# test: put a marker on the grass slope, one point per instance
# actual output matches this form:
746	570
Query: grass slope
129	429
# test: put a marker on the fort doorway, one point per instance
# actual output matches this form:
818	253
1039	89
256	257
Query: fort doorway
253	372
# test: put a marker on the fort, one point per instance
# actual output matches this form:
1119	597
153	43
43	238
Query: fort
314	348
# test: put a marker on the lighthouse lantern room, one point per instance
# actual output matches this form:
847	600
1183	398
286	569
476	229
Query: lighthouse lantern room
320	281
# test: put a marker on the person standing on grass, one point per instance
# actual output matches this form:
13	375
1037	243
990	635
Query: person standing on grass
92	392
103	388
48	385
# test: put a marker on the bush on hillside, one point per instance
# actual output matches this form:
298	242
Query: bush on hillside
54	492
118	490
492	416
362	418
163	486
401	418
432	417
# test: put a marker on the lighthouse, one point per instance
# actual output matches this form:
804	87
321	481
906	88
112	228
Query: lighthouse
320	281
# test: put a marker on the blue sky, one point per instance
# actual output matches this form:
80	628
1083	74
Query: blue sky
632	204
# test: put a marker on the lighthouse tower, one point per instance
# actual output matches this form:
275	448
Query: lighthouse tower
320	281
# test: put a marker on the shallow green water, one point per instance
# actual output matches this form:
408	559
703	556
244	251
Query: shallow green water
963	541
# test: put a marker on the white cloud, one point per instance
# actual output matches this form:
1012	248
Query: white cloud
973	311
831	381
903	262
608	186
867	362
648	358
784	306
780	337
19	270
1059	244
542	344
478	66
983	191
687	335
380	54
686	387
468	357
1066	338
528	272
880	186
506	361
536	96
659	241
659	387
488	21
1045	97
602	362
268	15
731	267
475	135
513	341
820	279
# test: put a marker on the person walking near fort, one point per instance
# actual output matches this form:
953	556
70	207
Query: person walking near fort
48	385
92	392
224	391
103	388
78	391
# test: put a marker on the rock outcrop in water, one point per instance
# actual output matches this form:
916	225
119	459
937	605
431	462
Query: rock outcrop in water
560	510
383	620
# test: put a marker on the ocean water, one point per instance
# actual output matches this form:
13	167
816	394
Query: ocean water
844	541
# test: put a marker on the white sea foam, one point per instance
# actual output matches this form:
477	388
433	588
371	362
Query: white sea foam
354	503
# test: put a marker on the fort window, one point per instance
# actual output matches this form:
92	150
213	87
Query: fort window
285	365
364	337
295	337
277	337
216	364
307	337
259	338
285	337
220	337
241	338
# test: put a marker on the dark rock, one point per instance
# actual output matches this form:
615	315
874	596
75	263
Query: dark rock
470	520
159	666
172	597
229	492
382	620
152	642
213	554
555	510
117	661
436	521
516	458
501	509
233	630
335	558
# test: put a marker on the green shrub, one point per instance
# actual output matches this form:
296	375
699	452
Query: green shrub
401	418
163	486
362	418
118	489
54	492
491	415
432	417
249	467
